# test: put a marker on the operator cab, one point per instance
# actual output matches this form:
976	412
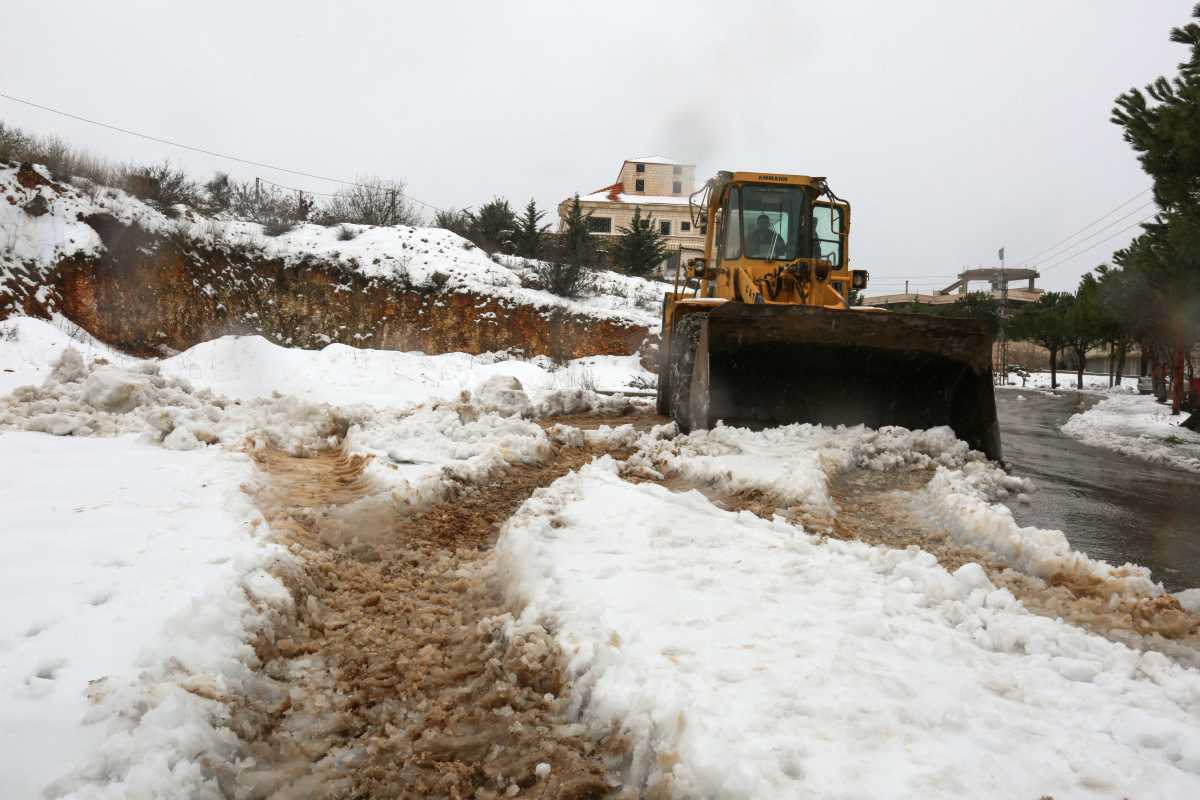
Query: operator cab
767	222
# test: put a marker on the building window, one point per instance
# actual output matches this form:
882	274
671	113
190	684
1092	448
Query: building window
600	224
676	170
685	227
639	185
640	168
676	187
664	227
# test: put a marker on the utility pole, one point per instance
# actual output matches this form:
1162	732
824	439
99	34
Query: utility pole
392	207
257	191
1003	319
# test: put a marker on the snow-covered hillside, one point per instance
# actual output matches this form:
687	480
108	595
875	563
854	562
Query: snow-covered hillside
421	257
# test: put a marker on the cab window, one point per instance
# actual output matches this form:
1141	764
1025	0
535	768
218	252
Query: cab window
827	226
732	225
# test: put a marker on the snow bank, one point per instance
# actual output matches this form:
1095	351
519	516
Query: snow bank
743	658
134	599
792	463
249	367
29	347
123	596
1066	381
1138	426
965	503
95	399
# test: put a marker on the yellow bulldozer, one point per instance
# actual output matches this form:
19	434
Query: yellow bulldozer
761	332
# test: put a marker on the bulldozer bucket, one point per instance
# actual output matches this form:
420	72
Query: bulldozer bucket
765	365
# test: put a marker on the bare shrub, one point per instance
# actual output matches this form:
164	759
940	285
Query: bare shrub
568	267
373	201
163	186
219	193
453	220
276	210
345	233
56	155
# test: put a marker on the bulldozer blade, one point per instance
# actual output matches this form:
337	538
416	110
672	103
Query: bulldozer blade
765	365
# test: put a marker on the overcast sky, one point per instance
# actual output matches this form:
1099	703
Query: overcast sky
952	127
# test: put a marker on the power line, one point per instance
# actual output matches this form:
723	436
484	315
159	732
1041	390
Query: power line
1107	227
1109	213
202	150
1097	244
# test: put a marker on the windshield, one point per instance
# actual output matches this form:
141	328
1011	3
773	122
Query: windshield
772	216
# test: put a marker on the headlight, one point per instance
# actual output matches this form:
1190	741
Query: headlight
858	278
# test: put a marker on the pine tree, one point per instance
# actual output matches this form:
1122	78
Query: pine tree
530	234
492	226
1047	323
640	247
1164	130
568	269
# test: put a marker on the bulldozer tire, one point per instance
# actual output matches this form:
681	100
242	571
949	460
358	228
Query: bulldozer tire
662	400
683	362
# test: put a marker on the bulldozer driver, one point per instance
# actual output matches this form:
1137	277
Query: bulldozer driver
763	241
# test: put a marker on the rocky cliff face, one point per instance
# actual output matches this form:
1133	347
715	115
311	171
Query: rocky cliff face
152	293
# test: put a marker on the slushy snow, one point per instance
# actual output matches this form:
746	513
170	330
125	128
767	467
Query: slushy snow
745	658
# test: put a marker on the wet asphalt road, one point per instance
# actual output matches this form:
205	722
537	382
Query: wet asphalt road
1109	505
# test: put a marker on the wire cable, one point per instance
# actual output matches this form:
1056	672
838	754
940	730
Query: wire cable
1106	228
1097	244
203	150
1118	207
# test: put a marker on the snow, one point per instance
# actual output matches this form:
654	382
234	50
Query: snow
29	347
741	657
108	573
248	367
744	658
792	463
136	571
1138	426
43	240
1067	379
659	160
964	503
637	199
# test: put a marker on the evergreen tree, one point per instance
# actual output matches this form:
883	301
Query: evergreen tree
492	226
568	269
1085	325
640	247
530	234
1162	124
973	305
578	242
1045	322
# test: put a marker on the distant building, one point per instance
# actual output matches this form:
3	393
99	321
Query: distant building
660	187
995	277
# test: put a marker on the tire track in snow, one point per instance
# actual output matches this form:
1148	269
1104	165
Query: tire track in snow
404	675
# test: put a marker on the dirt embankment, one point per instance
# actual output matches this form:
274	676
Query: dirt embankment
150	295
404	675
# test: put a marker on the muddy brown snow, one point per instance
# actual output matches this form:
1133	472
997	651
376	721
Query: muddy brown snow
404	675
